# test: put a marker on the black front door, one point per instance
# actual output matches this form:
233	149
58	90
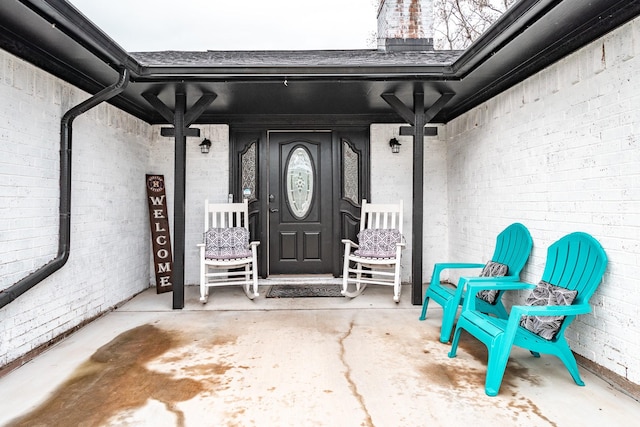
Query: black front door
300	202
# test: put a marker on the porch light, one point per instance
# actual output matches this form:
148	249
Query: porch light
395	145
205	145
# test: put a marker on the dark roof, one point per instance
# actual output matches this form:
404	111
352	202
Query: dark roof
307	87
288	58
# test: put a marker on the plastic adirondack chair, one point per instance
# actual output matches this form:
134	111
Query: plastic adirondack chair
376	258
226	256
577	263
513	246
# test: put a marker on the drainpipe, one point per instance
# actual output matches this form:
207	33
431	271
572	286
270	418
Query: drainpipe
14	291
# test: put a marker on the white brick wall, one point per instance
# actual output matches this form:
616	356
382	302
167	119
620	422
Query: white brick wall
109	219
392	180
561	153
207	178
28	169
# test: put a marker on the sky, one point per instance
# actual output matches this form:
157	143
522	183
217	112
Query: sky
151	25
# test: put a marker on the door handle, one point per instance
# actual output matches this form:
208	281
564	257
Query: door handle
273	210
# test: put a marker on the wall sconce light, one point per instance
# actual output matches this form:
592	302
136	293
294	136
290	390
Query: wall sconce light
395	145
205	145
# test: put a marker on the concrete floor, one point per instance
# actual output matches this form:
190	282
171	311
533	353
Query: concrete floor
291	362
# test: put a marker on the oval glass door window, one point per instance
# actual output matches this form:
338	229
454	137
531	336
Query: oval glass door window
299	184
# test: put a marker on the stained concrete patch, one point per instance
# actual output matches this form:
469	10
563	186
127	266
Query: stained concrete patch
113	380
447	390
311	367
463	377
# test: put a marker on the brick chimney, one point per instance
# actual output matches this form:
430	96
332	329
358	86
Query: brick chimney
405	25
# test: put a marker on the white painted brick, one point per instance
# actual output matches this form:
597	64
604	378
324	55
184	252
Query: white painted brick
392	180
568	163
104	267
559	152
207	178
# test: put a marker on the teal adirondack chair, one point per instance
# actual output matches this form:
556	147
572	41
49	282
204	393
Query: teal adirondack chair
577	263
513	246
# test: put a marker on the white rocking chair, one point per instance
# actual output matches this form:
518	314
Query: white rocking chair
376	258
226	249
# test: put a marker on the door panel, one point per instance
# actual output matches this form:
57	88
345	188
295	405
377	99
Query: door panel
248	180
300	203
251	170
353	163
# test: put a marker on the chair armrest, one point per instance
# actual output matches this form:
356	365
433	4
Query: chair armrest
450	265
497	284
491	283
254	249
348	242
488	279
439	267
253	244
465	281
550	310
202	247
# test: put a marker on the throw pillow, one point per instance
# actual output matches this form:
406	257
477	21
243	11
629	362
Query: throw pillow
227	243
378	242
546	294
492	269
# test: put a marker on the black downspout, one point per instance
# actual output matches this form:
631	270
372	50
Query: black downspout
14	291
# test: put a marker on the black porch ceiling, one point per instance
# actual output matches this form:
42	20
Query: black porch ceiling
308	87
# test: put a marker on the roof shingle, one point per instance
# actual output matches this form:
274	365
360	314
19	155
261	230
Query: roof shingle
337	58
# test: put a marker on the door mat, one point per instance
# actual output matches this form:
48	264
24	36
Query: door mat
304	291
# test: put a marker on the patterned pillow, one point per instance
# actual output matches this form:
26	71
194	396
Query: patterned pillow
492	269
546	294
378	243
227	243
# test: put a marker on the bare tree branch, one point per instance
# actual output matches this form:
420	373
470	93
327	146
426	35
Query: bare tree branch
458	23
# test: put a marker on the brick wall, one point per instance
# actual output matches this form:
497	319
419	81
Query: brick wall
560	152
207	178
392	180
109	219
405	20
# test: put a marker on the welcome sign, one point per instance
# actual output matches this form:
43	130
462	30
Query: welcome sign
158	218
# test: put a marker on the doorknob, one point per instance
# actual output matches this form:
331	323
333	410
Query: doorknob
271	197
273	210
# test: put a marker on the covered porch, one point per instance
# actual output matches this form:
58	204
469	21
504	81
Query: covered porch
291	361
542	129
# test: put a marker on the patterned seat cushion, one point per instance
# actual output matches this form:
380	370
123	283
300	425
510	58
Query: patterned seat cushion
546	294
378	243
227	243
492	269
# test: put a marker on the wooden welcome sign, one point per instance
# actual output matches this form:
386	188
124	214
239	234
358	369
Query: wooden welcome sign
158	218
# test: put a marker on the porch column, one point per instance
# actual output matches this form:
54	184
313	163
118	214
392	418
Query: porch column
417	118
181	120
418	196
179	198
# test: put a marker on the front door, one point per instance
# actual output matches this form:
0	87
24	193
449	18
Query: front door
300	202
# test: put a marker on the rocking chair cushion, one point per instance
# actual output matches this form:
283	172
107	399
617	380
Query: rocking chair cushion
492	269
378	242
546	294
227	243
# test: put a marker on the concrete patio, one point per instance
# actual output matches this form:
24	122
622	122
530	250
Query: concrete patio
290	362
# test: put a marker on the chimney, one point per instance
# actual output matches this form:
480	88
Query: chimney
405	25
